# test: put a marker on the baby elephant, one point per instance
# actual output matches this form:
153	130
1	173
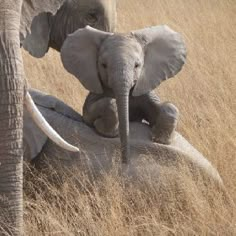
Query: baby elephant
123	66
101	112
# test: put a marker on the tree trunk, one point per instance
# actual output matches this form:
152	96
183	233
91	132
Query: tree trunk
11	119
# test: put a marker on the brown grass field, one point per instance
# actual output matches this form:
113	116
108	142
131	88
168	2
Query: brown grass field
205	93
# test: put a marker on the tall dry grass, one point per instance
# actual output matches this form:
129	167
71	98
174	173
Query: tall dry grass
172	205
205	93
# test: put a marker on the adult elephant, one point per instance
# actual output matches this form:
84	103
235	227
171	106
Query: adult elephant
177	170
15	19
49	30
98	153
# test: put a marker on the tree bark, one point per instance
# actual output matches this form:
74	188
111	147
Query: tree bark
11	119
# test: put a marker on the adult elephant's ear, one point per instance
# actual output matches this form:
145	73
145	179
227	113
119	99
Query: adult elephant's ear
36	42
164	56
34	31
79	55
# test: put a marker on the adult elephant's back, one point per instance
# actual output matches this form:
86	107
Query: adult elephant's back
99	153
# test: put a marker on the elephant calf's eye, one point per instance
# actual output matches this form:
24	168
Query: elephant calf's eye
137	64
104	65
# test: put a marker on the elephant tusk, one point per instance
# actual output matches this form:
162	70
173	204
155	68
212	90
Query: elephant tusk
44	125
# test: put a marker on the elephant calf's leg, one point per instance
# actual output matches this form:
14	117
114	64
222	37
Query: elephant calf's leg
165	123
101	113
162	117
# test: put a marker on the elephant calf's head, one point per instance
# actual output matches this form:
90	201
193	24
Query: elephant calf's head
130	64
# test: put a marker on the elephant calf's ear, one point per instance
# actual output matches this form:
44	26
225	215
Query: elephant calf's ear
165	54
79	56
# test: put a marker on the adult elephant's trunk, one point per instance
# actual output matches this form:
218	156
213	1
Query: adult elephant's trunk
11	120
122	100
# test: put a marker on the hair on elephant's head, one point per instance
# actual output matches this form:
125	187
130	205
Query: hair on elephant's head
128	64
49	30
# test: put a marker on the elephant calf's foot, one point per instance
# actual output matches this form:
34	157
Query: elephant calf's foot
166	122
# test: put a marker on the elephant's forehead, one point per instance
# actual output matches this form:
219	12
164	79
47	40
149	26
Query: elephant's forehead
121	43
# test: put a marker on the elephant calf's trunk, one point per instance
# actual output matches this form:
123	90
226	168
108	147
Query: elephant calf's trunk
45	127
123	114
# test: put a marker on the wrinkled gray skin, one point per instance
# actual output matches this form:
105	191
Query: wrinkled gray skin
51	30
98	153
15	19
101	112
123	65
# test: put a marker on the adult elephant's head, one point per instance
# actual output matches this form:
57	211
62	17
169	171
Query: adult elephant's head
49	30
130	64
